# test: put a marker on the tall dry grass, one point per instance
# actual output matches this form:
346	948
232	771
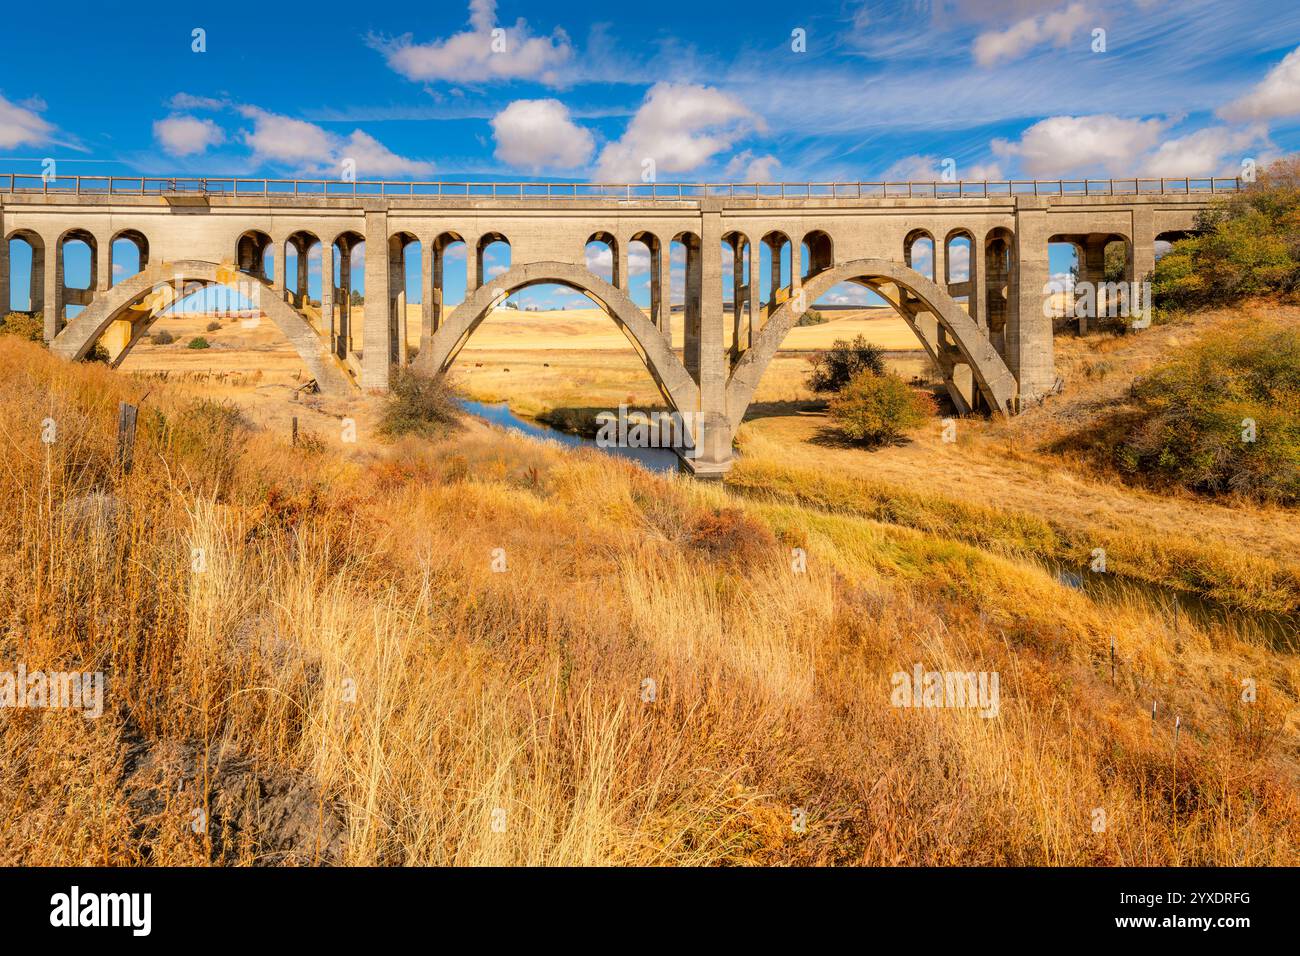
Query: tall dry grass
349	680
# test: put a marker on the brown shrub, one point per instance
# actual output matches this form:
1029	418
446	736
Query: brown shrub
730	535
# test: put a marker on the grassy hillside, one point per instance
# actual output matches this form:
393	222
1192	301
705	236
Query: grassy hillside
352	678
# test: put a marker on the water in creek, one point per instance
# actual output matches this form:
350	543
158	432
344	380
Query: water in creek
1280	630
654	459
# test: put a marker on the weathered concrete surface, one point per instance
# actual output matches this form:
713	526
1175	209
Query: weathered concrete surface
1000	356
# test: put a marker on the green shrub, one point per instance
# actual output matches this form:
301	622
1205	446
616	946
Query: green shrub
25	325
834	369
198	342
1194	415
1248	245
812	317
879	409
419	404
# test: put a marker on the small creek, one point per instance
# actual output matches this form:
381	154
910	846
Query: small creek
662	460
1280	630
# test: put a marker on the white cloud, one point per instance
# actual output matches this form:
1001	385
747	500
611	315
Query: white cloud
287	140
306	146
1278	94
185	101
1060	145
539	134
959	261
848	293
913	169
1206	152
20	126
923	256
746	167
982	172
1057	28
475	55
186	135
678	126
373	158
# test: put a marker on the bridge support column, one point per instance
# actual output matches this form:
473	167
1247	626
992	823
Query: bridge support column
427	255
279	281
343	346
5	303
755	296
327	291
36	285
796	274
376	337
303	297
102	279
976	273
1030	353
439	310
396	301
1142	248
473	265
52	274
663	281
738	336
695	253
1092	269
621	278
713	449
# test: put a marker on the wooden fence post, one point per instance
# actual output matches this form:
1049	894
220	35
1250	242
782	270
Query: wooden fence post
126	436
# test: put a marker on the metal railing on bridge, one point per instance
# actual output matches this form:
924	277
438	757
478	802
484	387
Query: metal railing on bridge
26	183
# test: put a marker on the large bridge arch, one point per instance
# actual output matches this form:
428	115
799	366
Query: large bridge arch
990	373
130	300
667	370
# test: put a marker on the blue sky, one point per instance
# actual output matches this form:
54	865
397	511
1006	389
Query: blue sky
776	92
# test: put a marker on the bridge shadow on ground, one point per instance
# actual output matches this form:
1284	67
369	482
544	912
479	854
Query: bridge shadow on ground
828	436
786	409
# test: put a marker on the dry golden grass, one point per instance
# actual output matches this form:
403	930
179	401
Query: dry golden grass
350	681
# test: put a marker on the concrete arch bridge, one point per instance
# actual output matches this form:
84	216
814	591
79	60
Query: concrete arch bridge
965	265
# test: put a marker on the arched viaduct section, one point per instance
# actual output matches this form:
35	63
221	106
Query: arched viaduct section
969	275
138	301
950	337
675	383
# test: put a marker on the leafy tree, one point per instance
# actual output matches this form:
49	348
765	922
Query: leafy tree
833	369
25	325
1224	416
1247	245
879	409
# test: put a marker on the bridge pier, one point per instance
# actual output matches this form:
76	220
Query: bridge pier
706	355
5	303
376	338
1030	353
327	290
